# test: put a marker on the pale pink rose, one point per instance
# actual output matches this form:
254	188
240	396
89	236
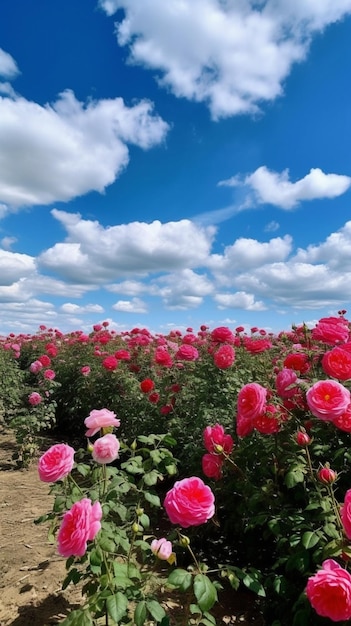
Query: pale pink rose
329	591
215	436
212	466
56	463
190	502
105	449
100	418
345	514
328	399
251	400
34	398
161	548
35	367
79	525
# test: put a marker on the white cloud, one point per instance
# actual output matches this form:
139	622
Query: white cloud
14	266
183	290
130	306
7	242
233	55
335	251
245	254
271	227
68	148
275	188
239	300
128	287
8	66
93	253
69	307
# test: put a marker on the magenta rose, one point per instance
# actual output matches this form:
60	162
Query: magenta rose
34	398
343	421
100	418
224	357
105	449
163	357
345	514
161	548
189	503
337	363
79	525
328	399
110	363
215	436
56	463
187	352
251	400
212	466
329	591
286	383
222	334
331	330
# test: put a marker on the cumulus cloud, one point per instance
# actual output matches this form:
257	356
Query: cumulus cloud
70	307
275	187
239	300
335	251
130	306
93	253
244	50
245	254
68	148
8	66
7	242
184	289
14	266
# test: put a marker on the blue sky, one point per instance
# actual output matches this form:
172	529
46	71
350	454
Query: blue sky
171	164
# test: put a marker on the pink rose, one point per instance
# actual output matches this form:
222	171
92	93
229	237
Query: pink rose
45	360
345	514
105	449
244	426
331	330
34	398
187	353
214	436
189	503
56	463
35	367
251	400
212	466
85	370
163	357
222	334
110	363
79	525
343	421
286	383
337	363
329	592
224	357
49	374
161	548
328	399
254	346
100	418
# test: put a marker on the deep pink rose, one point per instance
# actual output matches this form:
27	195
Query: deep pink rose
254	346
45	360
244	426
345	514
326	475
49	374
212	466
286	383
302	438
329	591
297	361
337	363
343	421
187	352
100	418
163	357
190	502
328	399
331	330
56	463
251	400
35	367
110	363
222	334
161	548
224	357
85	370
215	436
269	422
122	355
34	398
79	525
105	449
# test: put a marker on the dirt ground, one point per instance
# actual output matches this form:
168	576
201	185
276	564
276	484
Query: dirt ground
31	572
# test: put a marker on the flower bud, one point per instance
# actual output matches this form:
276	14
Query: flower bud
139	511
133	445
302	438
184	541
135	527
326	475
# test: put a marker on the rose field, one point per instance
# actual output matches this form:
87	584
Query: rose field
204	467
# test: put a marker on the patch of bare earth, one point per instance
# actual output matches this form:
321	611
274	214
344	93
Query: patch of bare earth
32	572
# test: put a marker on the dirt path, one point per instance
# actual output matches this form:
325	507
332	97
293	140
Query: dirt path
31	572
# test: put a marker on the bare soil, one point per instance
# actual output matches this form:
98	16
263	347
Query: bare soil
31	571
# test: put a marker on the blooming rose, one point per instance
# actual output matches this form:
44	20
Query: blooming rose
187	352
327	399
100	418
212	465
45	360
105	449
329	591
110	363
154	397
244	426
35	367
79	525
163	357
122	355
161	548
49	374
343	421
251	400
269	422
222	334
147	385
331	330
224	357
286	383
56	463
345	514
34	398
337	363
254	346
85	370
297	361
189	503
214	436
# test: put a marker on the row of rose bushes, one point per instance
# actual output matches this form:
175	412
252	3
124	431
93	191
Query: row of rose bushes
267	419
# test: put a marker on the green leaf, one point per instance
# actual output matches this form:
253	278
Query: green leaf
144	520
180	578
156	610
140	613
151	478
106	544
83	469
117	606
73	576
254	585
294	477
78	618
152	498
205	592
309	539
